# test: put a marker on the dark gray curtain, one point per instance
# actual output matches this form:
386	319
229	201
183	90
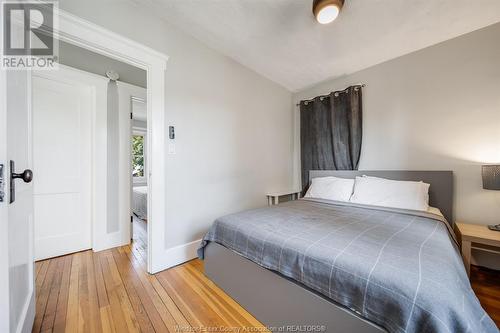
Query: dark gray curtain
330	132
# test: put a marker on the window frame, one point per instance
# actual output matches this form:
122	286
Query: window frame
139	180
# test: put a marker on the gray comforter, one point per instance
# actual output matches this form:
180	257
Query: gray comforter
399	269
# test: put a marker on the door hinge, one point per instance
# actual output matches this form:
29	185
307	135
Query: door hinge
131	218
2	183
131	115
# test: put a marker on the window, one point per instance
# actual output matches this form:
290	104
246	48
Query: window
138	157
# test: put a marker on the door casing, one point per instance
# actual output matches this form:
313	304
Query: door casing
89	36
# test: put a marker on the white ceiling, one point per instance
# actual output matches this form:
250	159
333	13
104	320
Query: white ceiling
281	40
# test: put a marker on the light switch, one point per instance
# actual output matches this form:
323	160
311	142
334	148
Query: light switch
171	148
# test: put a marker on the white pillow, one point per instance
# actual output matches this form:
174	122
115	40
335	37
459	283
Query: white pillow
391	193
425	184
330	188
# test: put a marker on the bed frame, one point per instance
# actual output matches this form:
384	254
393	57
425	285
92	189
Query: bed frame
287	306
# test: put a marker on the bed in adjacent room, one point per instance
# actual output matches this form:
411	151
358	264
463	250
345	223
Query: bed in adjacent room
140	202
337	266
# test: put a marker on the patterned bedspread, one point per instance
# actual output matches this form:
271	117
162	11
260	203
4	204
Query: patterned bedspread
399	269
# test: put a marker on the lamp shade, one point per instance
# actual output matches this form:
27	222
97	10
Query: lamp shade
491	177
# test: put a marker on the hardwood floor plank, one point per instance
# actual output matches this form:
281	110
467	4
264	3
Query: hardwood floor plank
62	301
147	315
50	309
186	311
128	312
213	302
38	265
486	285
168	313
117	316
72	312
196	268
179	318
102	294
93	301
111	291
43	295
107	319
198	264
84	324
140	267
40	276
192	304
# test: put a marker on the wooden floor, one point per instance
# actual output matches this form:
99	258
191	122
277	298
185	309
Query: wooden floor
486	284
110	291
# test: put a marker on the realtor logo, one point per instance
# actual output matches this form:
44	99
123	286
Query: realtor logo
28	35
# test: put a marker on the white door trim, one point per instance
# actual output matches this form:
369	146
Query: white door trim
87	35
4	235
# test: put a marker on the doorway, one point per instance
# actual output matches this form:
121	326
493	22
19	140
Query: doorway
92	37
81	125
139	167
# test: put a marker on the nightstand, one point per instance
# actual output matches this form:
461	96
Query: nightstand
478	234
274	197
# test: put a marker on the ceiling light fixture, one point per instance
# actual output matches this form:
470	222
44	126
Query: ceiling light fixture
326	11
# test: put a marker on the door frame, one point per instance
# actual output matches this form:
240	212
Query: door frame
84	34
4	241
144	132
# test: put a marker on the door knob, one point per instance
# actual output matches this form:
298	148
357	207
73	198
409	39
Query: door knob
26	176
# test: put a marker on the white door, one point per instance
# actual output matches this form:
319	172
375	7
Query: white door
62	116
17	292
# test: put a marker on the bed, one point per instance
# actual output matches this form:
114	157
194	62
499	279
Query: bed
140	202
340	267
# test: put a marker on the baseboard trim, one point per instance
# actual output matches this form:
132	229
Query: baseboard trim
112	240
178	255
28	315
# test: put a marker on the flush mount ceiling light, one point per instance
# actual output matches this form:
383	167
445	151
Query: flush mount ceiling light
326	11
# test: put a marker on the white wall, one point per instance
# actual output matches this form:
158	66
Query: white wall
233	127
435	109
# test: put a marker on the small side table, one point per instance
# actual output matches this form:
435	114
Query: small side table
274	198
475	233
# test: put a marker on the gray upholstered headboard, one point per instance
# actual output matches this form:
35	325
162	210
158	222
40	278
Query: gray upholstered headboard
440	191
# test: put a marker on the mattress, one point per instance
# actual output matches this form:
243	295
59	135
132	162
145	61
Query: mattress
399	269
140	201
